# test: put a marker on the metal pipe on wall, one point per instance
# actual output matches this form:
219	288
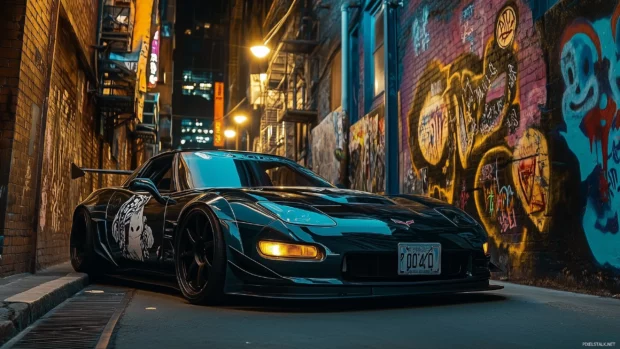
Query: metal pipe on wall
391	96
344	92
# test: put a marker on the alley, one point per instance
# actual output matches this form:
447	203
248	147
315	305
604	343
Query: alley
516	317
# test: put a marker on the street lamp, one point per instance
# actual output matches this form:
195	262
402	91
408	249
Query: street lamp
240	119
230	133
260	51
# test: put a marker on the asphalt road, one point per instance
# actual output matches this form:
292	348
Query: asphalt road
515	317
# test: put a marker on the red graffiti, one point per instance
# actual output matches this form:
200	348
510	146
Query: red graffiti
597	126
534	196
464	196
581	26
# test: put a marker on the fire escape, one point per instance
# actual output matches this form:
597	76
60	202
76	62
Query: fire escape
288	117
117	80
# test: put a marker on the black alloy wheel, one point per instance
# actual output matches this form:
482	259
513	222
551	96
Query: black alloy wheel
200	258
81	245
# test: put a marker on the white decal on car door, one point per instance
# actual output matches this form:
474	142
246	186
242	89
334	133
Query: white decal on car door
130	231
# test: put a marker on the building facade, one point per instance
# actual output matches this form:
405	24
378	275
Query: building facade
200	66
73	88
506	109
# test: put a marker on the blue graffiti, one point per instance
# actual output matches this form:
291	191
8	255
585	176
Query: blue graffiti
590	67
421	38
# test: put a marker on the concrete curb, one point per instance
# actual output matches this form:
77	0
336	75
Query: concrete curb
21	310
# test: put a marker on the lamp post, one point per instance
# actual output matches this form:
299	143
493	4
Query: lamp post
230	133
239	120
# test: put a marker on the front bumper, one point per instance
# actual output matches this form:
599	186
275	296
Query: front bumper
359	290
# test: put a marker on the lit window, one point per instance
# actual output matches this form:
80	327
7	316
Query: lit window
378	55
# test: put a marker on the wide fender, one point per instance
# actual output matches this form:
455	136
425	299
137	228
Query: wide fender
224	213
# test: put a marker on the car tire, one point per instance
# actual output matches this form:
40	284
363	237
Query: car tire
200	250
82	245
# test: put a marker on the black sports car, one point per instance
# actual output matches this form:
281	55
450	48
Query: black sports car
237	223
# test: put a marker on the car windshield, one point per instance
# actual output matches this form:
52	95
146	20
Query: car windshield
230	170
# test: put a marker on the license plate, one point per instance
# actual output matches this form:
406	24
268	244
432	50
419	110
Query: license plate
419	259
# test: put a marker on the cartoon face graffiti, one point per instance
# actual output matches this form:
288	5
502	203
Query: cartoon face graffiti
130	231
590	54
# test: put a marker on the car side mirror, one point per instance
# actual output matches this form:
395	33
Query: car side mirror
147	185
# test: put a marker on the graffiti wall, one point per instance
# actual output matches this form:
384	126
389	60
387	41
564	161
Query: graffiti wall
367	152
517	122
328	147
584	43
471	138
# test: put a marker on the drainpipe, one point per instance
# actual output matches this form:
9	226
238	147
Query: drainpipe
345	100
391	95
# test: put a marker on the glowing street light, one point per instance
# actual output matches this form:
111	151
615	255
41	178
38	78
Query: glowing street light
230	133
260	51
240	118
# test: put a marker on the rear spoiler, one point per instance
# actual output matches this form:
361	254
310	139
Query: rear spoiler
77	172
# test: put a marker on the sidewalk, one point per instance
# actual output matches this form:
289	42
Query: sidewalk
27	297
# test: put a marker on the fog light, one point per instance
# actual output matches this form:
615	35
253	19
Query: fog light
283	250
485	247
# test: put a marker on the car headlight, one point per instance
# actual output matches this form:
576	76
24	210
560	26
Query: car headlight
299	214
275	249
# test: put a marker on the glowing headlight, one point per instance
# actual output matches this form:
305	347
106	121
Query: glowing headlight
485	247
300	214
284	250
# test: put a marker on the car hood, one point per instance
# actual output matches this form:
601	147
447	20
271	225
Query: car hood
356	208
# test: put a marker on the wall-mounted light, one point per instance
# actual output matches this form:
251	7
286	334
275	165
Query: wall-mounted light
240	118
260	51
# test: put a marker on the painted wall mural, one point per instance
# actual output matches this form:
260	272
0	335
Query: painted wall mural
367	152
517	122
328	151
588	54
473	128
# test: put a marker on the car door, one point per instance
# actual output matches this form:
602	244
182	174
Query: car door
136	219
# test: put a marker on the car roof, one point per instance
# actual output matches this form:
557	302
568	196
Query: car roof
220	151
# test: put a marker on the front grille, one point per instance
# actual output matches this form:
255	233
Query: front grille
378	267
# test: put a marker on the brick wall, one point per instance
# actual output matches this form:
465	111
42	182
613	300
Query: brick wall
483	118
21	186
45	39
514	119
11	25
